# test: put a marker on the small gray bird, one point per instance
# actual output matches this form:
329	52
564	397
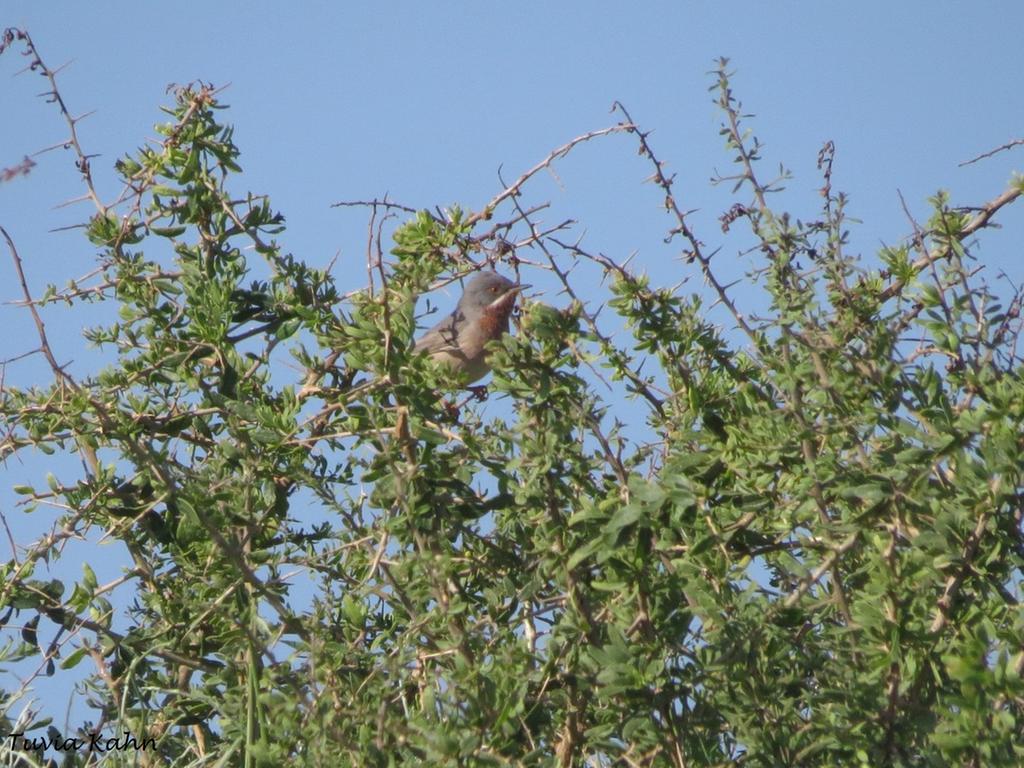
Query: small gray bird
481	315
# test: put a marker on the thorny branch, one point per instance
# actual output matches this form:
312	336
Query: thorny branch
555	154
977	222
53	95
696	250
991	152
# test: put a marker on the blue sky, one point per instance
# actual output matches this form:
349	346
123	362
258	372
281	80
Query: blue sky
425	101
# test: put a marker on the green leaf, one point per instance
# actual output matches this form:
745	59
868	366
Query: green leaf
72	660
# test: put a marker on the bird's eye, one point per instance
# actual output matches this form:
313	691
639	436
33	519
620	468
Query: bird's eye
494	289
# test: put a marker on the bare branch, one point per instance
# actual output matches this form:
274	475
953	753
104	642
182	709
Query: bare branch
991	152
555	154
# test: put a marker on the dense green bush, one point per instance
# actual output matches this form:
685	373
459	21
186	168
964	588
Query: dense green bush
812	557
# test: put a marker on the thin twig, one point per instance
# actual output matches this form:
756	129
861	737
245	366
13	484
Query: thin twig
991	152
555	154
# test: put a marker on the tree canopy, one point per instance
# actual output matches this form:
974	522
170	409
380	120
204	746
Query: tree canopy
808	553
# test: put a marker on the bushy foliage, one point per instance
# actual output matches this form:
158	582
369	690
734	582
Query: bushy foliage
814	557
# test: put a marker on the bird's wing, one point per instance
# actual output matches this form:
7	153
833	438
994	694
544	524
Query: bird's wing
442	336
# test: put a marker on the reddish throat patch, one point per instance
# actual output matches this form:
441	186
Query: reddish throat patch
494	320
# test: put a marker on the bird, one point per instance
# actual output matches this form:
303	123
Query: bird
460	340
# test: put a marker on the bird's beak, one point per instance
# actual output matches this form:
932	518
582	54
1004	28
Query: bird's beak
509	296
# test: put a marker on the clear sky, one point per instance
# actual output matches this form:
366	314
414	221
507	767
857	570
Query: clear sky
425	101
